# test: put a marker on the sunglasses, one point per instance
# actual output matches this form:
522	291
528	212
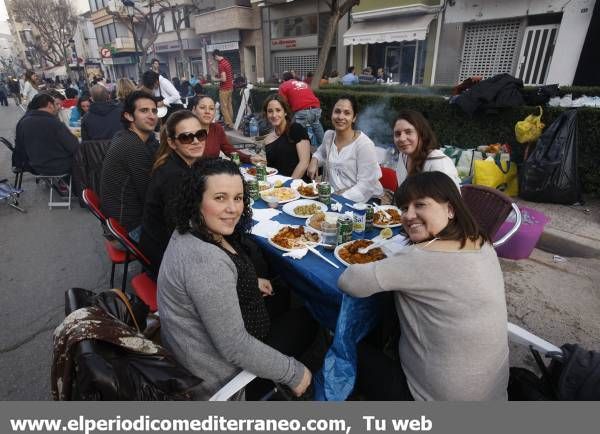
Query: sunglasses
188	138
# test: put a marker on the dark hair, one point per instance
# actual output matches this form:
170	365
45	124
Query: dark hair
40	101
55	94
71	93
427	138
129	104
287	75
441	188
154	60
168	132
196	100
149	79
198	89
286	108
84	97
350	69
216	53
184	208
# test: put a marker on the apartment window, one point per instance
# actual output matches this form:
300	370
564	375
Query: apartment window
490	48
106	34
294	26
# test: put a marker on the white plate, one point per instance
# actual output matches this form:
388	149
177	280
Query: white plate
289	207
307	224
267	193
270	171
304	196
277	246
336	253
386	207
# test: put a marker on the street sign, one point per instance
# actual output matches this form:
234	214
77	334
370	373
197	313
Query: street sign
105	53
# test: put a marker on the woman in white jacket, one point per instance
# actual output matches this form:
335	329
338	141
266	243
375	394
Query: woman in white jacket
30	87
348	156
419	148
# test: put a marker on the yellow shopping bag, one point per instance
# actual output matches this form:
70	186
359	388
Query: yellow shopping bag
501	175
529	129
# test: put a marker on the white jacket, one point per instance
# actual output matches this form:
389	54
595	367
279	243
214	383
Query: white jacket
436	161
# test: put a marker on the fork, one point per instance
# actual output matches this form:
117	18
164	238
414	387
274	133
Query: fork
376	244
379	208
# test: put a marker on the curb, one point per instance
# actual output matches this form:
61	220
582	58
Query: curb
568	244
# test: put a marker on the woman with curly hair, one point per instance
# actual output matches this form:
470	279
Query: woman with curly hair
182	143
419	148
212	308
81	108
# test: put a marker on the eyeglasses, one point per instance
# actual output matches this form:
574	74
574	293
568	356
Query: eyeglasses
188	138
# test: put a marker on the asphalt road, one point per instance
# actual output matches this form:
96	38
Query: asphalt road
42	253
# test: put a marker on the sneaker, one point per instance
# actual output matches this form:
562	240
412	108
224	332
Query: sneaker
61	187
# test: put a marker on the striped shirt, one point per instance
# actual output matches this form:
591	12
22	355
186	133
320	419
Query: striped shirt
225	66
125	177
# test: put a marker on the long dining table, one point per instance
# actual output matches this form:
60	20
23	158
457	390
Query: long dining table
348	318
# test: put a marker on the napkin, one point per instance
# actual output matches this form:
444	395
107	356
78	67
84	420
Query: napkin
398	244
273	178
266	228
296	253
264	214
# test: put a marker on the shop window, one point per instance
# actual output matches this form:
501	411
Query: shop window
301	63
294	26
405	62
489	48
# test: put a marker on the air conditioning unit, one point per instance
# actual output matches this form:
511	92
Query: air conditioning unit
116	6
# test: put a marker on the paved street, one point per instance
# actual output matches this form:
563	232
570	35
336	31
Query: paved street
43	253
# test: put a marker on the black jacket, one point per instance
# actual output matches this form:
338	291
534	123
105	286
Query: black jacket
156	232
502	90
102	121
44	143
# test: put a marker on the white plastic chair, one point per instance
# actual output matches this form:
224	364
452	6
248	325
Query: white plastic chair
523	337
236	384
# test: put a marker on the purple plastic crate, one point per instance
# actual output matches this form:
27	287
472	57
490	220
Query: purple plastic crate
521	244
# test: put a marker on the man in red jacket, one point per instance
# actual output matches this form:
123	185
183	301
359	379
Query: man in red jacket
304	103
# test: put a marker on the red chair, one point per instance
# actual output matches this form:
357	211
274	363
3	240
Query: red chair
388	179
116	256
143	285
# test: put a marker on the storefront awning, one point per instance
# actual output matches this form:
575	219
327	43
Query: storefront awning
403	28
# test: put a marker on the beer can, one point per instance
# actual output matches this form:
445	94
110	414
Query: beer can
344	229
324	189
235	157
369	217
261	172
253	190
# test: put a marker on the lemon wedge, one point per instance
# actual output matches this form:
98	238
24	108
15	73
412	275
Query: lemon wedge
278	183
386	233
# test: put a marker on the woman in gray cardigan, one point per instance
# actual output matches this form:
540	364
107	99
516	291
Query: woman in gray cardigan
213	315
449	296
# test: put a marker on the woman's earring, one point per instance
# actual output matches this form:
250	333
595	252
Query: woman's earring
450	215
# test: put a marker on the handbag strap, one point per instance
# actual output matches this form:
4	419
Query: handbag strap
499	163
125	300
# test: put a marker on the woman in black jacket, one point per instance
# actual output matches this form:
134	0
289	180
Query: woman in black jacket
182	142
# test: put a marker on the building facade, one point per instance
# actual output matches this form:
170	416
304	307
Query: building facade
398	36
538	41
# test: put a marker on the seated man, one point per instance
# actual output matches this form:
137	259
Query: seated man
43	140
103	120
128	162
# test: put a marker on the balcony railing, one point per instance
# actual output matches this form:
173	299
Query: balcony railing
125	44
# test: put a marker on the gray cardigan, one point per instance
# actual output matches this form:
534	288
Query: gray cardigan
201	322
453	322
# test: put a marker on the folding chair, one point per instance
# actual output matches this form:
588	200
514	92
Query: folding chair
116	256
10	194
388	179
490	208
18	171
143	285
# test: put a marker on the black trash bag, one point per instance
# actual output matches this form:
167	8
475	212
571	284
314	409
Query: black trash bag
525	385
579	378
76	298
550	172
542	95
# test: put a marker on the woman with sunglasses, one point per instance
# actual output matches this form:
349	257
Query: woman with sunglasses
182	142
214	314
203	107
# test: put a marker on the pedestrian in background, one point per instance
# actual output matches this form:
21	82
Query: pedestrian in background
224	75
350	78
30	87
3	94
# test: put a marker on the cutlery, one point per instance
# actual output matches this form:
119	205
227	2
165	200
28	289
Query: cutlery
379	208
316	252
376	244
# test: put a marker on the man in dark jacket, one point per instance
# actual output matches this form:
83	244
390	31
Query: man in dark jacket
47	143
103	119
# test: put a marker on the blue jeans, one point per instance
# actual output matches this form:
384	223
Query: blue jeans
311	117
136	233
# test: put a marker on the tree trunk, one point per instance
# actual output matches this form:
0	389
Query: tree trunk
177	24
334	19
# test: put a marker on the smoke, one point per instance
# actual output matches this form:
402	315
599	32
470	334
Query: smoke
374	121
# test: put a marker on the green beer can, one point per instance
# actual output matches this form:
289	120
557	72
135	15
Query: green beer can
235	157
261	172
324	189
253	190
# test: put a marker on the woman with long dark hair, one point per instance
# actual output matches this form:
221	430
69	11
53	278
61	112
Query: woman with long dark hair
81	108
30	87
419	148
212	307
453	344
287	146
182	143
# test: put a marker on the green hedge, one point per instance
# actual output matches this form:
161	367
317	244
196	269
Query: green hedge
455	128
